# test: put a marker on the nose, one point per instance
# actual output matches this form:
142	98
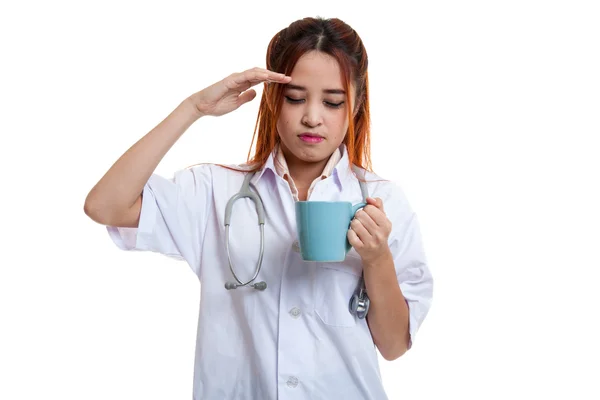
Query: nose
312	117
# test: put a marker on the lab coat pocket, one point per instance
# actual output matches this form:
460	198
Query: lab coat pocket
334	286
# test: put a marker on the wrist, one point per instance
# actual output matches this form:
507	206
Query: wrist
190	108
385	258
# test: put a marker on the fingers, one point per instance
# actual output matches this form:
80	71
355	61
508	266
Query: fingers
366	220
360	229
354	239
375	210
375	214
257	75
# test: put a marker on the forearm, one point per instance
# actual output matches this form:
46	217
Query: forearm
388	315
123	183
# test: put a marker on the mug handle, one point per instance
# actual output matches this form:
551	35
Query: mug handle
355	208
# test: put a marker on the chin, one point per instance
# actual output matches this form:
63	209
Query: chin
312	155
307	153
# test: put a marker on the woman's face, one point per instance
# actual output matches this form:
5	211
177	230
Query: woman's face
313	120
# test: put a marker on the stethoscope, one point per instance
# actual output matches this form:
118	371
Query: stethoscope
359	302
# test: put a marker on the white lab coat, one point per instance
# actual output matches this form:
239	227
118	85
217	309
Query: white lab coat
296	339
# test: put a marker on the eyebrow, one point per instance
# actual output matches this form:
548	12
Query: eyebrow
302	88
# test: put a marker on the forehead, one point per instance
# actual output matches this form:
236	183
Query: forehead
317	71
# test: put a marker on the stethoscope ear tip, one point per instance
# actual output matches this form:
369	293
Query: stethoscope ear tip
230	285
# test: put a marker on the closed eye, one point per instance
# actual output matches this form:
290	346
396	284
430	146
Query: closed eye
298	101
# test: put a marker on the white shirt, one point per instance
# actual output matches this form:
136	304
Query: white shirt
296	339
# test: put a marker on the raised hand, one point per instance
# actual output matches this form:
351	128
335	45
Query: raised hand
231	92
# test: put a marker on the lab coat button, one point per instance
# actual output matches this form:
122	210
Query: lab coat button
292	382
295	312
296	246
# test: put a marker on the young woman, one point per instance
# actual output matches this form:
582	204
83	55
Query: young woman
298	337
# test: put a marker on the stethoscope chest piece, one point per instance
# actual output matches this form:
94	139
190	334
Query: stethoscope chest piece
359	302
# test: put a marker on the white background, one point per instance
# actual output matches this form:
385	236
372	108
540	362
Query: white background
486	113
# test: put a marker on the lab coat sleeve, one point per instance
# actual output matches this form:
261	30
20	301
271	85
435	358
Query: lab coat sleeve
412	271
173	216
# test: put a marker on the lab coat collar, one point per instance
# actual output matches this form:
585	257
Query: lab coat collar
342	170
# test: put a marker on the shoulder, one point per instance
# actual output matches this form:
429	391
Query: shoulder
212	170
210	174
196	176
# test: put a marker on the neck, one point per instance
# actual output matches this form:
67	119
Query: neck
303	173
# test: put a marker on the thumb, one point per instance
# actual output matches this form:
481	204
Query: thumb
247	96
377	202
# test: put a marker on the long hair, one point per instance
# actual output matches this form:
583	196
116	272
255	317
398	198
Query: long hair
337	39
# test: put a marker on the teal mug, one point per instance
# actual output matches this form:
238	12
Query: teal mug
323	229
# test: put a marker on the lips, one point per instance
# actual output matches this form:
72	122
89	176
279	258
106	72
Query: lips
310	134
311	138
